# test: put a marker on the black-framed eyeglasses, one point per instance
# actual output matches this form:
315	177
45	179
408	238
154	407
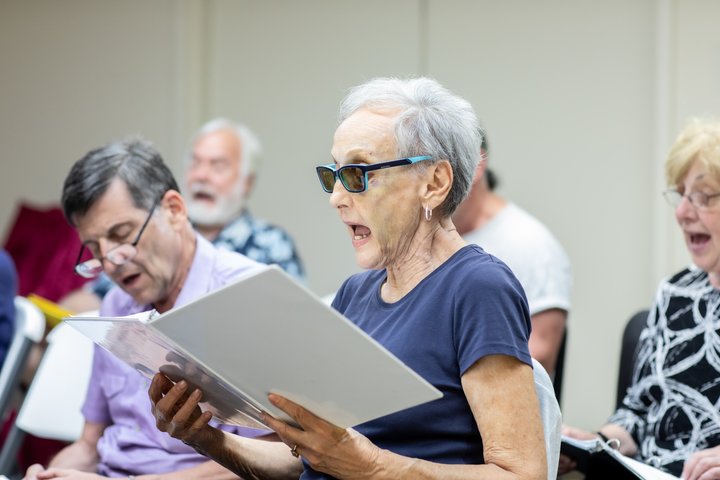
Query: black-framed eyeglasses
696	199
354	176
118	255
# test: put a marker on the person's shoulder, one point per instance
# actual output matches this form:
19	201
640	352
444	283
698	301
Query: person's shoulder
471	265
360	279
686	277
528	246
230	264
358	284
527	226
261	226
517	236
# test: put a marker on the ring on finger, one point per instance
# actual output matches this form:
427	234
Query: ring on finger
294	451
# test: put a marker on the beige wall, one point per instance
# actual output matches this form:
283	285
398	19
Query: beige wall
581	99
73	75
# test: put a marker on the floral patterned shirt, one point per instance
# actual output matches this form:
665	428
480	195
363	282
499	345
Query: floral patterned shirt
261	242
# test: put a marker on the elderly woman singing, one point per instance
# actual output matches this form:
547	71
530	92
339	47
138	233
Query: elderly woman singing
403	158
669	417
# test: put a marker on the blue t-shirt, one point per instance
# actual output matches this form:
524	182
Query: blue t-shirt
8	290
469	307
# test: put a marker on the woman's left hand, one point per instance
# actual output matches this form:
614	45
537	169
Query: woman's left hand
703	465
341	453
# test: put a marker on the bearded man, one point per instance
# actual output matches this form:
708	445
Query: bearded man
218	182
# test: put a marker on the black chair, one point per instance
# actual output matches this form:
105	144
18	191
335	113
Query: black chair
559	367
628	353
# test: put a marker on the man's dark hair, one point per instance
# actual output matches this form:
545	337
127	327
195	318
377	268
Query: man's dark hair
134	161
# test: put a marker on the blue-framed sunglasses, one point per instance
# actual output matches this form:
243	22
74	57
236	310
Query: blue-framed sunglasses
354	177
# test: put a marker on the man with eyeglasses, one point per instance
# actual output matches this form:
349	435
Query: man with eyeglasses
131	218
219	179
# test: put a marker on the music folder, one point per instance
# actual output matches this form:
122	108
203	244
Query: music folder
601	460
264	333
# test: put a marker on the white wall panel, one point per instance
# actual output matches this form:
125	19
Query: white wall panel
565	90
75	75
283	67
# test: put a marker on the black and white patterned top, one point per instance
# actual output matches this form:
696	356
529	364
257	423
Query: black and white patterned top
672	407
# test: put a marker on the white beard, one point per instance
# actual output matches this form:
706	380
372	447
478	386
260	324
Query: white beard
223	208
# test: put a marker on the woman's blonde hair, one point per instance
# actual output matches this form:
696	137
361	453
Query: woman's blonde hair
699	140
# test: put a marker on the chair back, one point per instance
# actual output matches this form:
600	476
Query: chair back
29	330
628	353
65	367
551	417
51	408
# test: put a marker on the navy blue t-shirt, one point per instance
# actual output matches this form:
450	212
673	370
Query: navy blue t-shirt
469	307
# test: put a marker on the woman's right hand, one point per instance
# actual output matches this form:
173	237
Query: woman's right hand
177	412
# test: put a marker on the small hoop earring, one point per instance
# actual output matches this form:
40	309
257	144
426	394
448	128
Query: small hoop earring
428	213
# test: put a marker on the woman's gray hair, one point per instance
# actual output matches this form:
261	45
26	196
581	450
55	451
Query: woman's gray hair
134	161
430	121
250	148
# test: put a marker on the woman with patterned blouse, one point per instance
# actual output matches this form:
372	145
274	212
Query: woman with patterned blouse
670	416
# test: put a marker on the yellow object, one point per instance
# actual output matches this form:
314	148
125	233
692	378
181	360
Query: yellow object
53	312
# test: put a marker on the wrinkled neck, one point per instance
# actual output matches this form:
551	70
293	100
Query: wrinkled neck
434	245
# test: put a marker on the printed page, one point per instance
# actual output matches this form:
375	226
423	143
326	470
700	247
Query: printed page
646	471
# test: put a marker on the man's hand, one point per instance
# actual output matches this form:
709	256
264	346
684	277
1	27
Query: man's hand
176	410
38	472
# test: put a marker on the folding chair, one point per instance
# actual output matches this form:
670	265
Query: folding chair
29	330
628	353
65	367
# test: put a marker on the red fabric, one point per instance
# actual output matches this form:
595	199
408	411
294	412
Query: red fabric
38	450
32	449
44	248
